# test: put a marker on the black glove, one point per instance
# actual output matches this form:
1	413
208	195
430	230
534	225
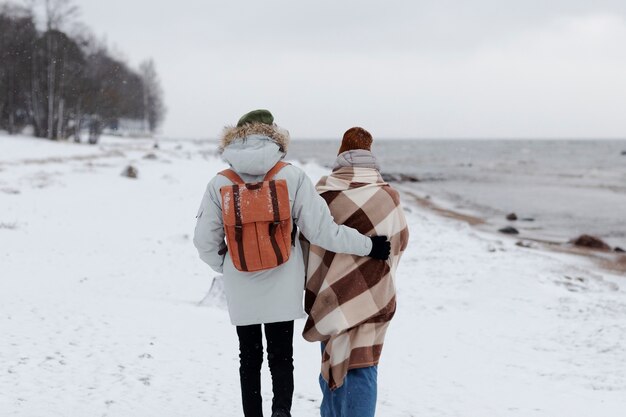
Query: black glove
381	248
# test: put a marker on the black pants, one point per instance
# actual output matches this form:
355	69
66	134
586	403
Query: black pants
279	338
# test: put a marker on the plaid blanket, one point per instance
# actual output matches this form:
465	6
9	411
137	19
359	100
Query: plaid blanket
350	299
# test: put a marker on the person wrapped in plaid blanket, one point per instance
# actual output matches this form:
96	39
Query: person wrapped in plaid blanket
350	299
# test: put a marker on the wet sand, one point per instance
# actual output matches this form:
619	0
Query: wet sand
606	259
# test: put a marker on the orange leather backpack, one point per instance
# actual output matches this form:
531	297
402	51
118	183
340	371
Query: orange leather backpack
257	221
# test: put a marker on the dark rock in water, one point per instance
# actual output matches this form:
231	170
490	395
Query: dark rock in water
156	145
623	152
408	178
130	172
509	230
150	155
528	219
587	241
390	177
618	249
511	216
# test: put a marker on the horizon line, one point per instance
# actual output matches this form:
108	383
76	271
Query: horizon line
504	138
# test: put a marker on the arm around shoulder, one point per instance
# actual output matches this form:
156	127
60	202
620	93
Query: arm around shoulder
313	217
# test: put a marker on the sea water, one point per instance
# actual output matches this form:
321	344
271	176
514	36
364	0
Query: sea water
568	187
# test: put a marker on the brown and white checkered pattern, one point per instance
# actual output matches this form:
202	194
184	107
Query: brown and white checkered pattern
351	299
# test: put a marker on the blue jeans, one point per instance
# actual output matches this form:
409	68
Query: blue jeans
355	398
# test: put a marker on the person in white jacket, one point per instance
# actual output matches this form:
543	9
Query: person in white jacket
271	297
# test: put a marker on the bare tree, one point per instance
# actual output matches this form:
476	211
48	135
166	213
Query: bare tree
56	14
17	34
153	107
51	116
113	90
59	13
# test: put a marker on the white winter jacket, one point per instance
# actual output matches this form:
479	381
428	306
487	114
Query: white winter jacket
272	295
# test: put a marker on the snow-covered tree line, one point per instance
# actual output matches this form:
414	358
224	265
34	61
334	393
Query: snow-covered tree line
63	84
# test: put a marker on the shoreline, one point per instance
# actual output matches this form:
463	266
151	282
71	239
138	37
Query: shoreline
608	260
611	261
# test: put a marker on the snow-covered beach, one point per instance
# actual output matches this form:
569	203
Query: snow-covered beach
100	288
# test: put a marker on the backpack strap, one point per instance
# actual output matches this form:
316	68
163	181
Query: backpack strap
231	175
237	180
272	172
239	227
274	225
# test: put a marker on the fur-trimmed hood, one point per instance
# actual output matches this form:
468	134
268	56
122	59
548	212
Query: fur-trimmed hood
275	133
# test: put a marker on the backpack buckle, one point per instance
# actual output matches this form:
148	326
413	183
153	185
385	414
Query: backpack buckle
238	232
273	227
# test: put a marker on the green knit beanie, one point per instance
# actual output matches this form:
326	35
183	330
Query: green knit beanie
256	116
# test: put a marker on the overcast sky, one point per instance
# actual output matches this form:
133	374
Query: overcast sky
434	69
